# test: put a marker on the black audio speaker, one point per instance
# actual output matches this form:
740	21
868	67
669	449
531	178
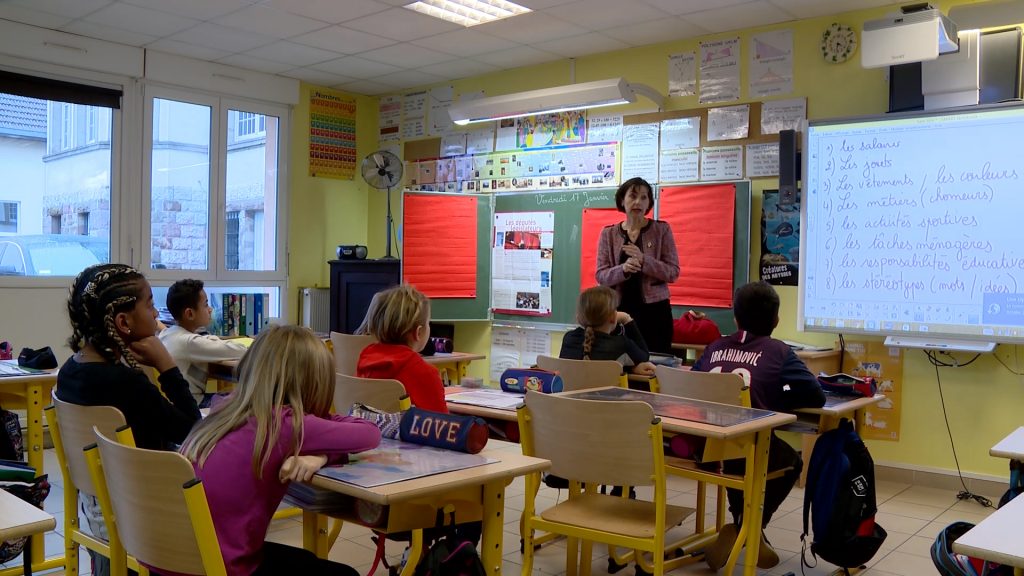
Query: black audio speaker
789	168
351	252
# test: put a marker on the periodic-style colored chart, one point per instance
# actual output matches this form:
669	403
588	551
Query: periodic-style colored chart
332	134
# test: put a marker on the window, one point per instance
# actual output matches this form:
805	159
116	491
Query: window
9	217
249	125
55	224
252	183
67	126
231	241
83	223
92	124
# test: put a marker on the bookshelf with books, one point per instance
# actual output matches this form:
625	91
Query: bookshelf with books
239	313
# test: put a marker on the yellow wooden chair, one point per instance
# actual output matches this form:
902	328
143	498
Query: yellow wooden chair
583	374
71	428
347	348
593	443
162	514
382	394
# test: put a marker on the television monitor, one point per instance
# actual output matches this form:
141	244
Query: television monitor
912	228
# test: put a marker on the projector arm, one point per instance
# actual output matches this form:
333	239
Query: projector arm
651	93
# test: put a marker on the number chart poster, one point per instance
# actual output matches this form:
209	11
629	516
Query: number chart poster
521	263
332	134
885	365
780	240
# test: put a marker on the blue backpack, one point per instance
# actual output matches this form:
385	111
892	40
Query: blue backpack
839	500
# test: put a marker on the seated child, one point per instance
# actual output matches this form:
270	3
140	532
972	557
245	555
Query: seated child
399	318
779	381
605	334
192	352
113	323
274	428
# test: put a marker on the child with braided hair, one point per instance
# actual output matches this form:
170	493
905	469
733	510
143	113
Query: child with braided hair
606	334
113	323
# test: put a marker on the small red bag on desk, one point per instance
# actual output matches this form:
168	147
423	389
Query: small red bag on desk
694	328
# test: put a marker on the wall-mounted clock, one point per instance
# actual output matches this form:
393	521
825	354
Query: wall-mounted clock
838	43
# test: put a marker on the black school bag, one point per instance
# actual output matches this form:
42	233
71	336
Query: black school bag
451	554
839	499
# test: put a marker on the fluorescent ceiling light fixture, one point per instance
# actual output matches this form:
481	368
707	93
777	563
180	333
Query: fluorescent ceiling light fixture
996	14
468	12
547	100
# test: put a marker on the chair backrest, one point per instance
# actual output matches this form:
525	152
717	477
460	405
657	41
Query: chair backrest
583	374
721	387
150	499
385	395
347	348
74	432
608	442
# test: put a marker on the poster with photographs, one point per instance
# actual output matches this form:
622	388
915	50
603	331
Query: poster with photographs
521	263
885	365
780	240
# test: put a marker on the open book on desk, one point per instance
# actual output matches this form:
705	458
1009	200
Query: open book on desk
487	398
806	347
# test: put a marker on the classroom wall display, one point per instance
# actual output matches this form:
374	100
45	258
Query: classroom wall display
521	263
720	70
515	348
440	244
771	63
332	134
551	129
780	240
912	226
702	220
885	365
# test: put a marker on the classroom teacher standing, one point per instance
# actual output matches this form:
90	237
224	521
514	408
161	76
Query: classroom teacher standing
638	259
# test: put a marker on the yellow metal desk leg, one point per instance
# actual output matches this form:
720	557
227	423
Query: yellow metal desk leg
34	410
461	369
493	526
753	505
314	533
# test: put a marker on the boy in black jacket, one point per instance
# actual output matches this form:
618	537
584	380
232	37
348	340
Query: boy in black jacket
779	381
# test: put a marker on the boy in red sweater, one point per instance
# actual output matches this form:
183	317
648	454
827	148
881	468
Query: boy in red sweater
399	318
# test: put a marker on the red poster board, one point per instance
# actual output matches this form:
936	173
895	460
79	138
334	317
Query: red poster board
439	245
702	219
594	220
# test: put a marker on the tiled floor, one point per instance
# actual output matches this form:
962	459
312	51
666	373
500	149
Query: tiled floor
912	516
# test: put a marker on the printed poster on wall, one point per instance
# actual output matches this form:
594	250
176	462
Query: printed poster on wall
521	263
682	74
332	134
779	115
885	365
440	99
516	348
640	151
390	118
771	63
720	71
780	240
414	115
604	127
551	129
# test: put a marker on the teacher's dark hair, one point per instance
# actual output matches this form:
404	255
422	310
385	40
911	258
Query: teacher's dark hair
756	306
620	194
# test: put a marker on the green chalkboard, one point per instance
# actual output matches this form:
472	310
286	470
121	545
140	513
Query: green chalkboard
568	207
478	308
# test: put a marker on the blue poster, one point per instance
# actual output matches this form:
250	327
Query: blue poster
780	240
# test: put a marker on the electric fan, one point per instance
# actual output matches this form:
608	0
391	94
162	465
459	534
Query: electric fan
383	170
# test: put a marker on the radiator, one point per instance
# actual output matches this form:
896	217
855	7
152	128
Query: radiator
315	309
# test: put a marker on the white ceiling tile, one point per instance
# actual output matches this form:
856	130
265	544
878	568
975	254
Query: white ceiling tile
406	55
366	87
343	40
688	6
515	57
316	76
542	4
292	53
401	24
258	64
408	79
101	32
331	11
461	68
270	21
601	14
222	38
530	28
187	49
663	30
356	67
198	9
815	8
141	20
737	17
73	9
465	42
24	15
590	43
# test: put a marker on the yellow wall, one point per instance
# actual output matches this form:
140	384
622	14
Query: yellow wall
982	400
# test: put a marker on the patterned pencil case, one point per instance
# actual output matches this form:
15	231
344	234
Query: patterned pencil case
389	422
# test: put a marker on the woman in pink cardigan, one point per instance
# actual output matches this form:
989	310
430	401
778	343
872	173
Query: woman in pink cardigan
638	259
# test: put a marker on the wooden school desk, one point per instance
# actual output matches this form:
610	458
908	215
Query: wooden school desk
748	437
817	361
31	392
997	538
1011	447
814	421
413	503
455	364
19	518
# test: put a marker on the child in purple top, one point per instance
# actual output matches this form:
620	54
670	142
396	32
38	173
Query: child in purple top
273	429
778	381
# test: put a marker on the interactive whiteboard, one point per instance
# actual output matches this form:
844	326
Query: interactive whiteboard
913	225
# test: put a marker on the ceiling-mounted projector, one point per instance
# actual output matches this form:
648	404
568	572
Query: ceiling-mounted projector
904	38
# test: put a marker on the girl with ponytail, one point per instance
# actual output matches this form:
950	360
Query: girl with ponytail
606	334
